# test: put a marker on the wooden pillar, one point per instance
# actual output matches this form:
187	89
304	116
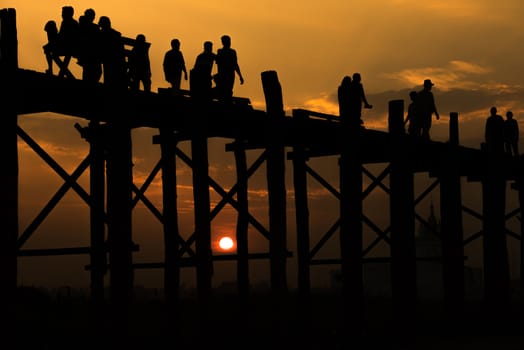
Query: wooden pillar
242	221
204	262
9	176
351	233
301	213
168	143
275	165
97	210
519	186
496	264
403	253
119	210
451	225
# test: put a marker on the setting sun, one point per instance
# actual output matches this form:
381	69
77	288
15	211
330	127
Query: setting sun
226	243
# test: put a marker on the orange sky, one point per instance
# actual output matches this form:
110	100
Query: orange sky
471	49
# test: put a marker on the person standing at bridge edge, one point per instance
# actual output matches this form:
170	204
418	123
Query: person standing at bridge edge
112	55
139	65
174	65
494	133
511	135
200	77
344	96
227	65
426	107
358	98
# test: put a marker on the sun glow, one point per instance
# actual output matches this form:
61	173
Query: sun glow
226	243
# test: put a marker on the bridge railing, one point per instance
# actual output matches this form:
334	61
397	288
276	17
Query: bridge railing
300	113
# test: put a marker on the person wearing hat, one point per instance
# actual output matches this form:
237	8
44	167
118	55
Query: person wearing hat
426	107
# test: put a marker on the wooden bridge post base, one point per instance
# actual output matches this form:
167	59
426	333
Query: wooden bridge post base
98	254
202	219
168	143
451	227
119	210
496	264
302	228
275	175
351	233
519	186
403	252
9	177
242	221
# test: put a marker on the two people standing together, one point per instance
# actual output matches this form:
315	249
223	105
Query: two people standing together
351	98
421	110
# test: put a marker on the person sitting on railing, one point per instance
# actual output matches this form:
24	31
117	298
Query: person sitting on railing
68	36
62	42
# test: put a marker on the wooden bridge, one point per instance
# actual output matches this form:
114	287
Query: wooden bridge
110	117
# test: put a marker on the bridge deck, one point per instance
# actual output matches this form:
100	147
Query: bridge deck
237	121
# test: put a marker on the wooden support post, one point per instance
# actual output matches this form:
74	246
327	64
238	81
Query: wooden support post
276	180
519	186
9	177
204	261
496	264
97	211
168	143
351	233
403	253
242	222
301	214
451	225
119	209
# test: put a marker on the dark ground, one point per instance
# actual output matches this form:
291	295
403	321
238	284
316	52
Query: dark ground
44	321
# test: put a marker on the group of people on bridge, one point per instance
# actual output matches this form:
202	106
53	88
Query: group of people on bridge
100	51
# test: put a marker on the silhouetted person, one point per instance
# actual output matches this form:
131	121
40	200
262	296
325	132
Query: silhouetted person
511	134
89	51
139	65
112	54
201	79
68	35
358	98
344	96
412	118
227	66
174	65
494	133
52	44
426	108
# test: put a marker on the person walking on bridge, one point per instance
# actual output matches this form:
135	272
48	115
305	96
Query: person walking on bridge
174	65
426	107
227	64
